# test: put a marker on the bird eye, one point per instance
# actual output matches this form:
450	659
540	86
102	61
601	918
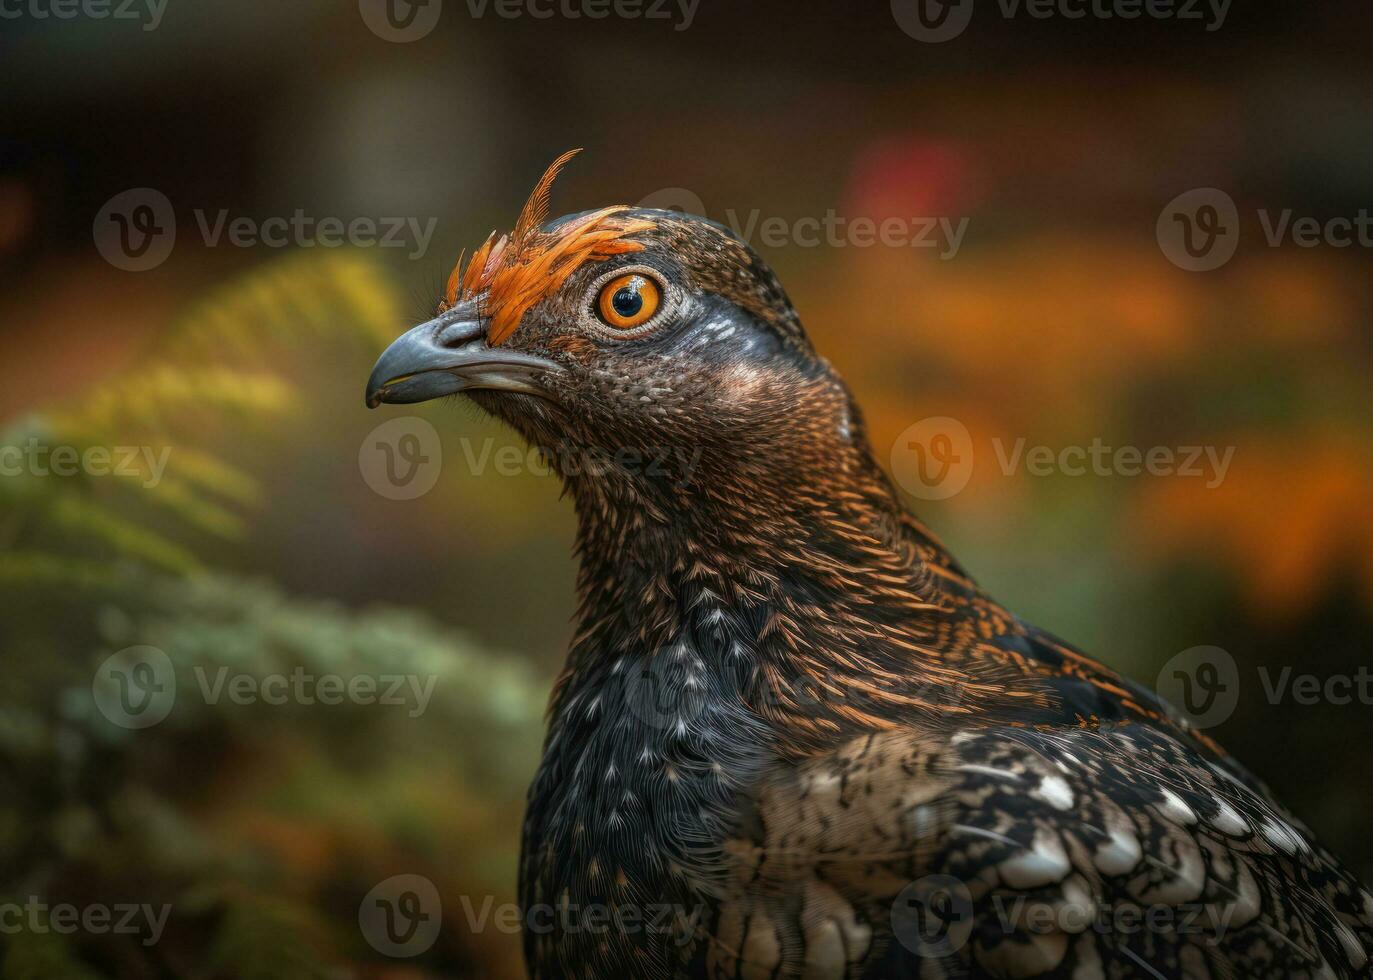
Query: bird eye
628	301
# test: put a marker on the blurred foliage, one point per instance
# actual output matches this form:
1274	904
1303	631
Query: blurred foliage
261	825
1060	340
205	376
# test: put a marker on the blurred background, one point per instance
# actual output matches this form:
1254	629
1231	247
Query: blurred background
178	315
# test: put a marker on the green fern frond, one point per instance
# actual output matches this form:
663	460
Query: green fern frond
358	289
155	399
196	510
343	297
39	568
219	368
207	472
77	514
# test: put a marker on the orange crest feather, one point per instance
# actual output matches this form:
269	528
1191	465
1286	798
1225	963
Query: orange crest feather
512	273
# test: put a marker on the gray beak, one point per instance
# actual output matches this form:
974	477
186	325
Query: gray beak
447	355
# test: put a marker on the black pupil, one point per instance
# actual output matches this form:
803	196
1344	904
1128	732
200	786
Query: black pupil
627	301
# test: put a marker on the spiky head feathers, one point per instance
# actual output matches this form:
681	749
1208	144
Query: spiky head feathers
511	273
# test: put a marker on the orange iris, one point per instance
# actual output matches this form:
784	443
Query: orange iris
628	301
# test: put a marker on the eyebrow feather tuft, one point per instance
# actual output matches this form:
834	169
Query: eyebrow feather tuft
511	273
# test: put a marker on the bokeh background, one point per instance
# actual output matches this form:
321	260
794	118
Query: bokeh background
266	546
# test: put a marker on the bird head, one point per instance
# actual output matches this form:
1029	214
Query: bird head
626	331
730	462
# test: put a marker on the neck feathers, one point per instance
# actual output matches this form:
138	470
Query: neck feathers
811	599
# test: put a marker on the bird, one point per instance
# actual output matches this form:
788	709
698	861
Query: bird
793	738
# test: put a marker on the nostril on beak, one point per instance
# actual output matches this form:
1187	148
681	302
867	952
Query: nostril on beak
460	333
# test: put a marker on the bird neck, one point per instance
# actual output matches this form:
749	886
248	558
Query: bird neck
788	579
